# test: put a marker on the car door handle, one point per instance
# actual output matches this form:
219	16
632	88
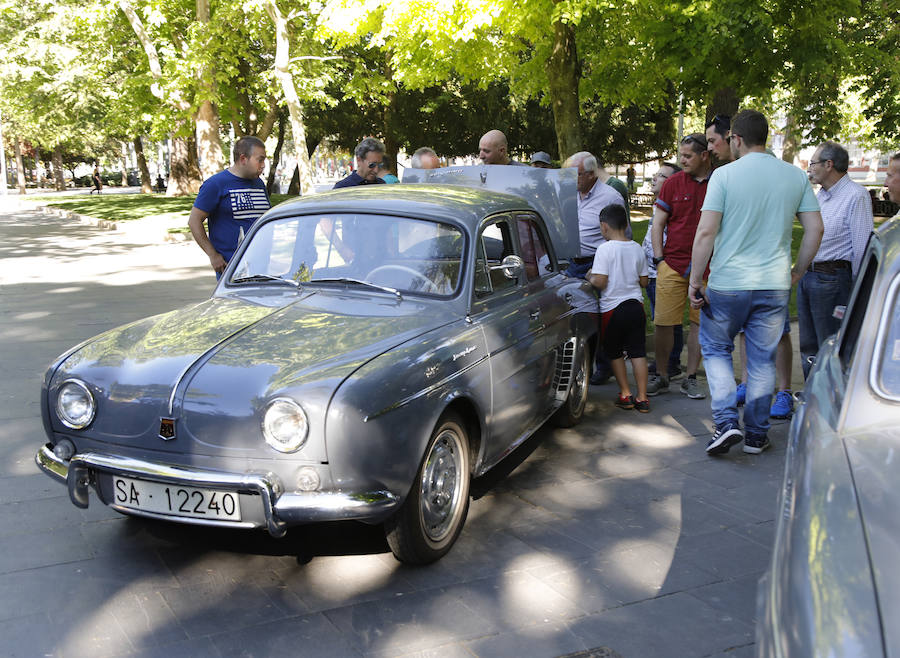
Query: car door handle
569	297
535	315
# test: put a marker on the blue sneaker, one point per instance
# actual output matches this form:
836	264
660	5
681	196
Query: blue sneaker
783	406
726	435
741	394
753	445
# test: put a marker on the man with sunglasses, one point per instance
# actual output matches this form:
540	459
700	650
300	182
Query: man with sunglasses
717	137
847	215
369	156
676	213
744	235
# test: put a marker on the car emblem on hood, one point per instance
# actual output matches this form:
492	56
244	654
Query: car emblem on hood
167	429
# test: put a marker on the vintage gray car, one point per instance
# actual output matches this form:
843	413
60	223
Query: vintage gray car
366	353
833	588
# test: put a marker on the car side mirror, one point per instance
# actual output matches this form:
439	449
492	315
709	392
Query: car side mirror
512	266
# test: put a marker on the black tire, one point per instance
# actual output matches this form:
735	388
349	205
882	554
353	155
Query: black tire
572	410
427	524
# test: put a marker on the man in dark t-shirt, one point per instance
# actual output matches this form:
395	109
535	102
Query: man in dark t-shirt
230	202
369	156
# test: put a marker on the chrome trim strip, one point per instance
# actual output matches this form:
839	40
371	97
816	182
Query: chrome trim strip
279	507
883	324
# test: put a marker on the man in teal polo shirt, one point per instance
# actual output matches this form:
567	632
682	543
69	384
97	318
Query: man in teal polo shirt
745	225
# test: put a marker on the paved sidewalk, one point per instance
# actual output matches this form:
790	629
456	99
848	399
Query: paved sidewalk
620	533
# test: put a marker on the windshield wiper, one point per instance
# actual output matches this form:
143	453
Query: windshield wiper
359	282
258	278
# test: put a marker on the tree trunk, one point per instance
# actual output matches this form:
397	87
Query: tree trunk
123	165
298	130
146	183
564	74
294	185
270	183
792	138
209	142
726	101
58	169
391	143
184	175
20	165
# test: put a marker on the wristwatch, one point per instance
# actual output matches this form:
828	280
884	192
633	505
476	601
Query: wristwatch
657	261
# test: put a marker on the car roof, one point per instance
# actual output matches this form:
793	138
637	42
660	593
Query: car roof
454	203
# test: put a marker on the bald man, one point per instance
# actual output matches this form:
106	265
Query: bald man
492	149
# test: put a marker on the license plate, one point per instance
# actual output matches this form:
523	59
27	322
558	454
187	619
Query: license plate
176	500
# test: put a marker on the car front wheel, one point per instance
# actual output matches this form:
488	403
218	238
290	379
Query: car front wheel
572	410
433	514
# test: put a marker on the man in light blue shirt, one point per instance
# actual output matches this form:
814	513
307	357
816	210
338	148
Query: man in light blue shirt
745	225
847	216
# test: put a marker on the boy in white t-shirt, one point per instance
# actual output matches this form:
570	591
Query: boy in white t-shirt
620	271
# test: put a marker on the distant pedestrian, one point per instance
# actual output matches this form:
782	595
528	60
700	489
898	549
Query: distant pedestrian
231	201
630	175
384	172
160	183
718	131
892	180
541	160
97	181
748	216
493	149
425	158
369	155
620	271
673	368
847	217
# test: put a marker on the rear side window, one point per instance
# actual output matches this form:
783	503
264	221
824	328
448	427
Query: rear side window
857	312
886	368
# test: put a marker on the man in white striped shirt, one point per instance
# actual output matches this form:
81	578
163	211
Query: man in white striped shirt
231	201
847	215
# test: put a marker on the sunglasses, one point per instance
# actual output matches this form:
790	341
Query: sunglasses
690	139
373	165
721	120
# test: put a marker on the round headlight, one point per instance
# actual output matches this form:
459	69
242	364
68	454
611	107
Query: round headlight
75	404
285	425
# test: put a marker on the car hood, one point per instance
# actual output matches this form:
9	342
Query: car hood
222	359
875	460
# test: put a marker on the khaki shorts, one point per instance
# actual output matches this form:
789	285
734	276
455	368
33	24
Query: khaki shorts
671	297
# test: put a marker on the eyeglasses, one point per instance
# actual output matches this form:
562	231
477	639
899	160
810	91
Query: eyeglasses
815	162
373	165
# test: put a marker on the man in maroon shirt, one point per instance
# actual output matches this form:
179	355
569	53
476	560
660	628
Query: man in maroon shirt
678	208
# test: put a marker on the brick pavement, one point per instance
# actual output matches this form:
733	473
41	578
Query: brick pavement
619	533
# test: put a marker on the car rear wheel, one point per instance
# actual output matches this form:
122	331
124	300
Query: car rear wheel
572	410
433	514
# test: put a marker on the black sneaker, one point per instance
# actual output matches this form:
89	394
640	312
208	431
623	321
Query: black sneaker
753	445
725	436
642	405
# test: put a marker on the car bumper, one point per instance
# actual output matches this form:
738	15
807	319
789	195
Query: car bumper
280	508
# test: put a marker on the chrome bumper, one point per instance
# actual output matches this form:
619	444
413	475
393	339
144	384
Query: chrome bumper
280	508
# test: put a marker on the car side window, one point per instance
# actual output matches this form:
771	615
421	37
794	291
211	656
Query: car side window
494	244
857	312
887	360
534	248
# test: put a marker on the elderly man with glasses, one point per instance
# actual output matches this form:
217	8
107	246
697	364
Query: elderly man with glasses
676	213
369	156
847	216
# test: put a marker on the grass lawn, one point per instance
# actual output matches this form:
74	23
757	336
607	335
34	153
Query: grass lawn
129	207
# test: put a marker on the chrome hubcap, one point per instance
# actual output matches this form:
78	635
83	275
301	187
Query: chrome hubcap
442	486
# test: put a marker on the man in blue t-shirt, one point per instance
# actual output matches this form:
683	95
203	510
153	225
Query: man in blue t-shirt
231	201
744	235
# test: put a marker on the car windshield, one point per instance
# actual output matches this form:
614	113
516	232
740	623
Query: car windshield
393	253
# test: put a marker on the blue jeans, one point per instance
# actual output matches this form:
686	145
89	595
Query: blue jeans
761	314
817	295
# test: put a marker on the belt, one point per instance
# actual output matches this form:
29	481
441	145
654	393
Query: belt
581	260
829	266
